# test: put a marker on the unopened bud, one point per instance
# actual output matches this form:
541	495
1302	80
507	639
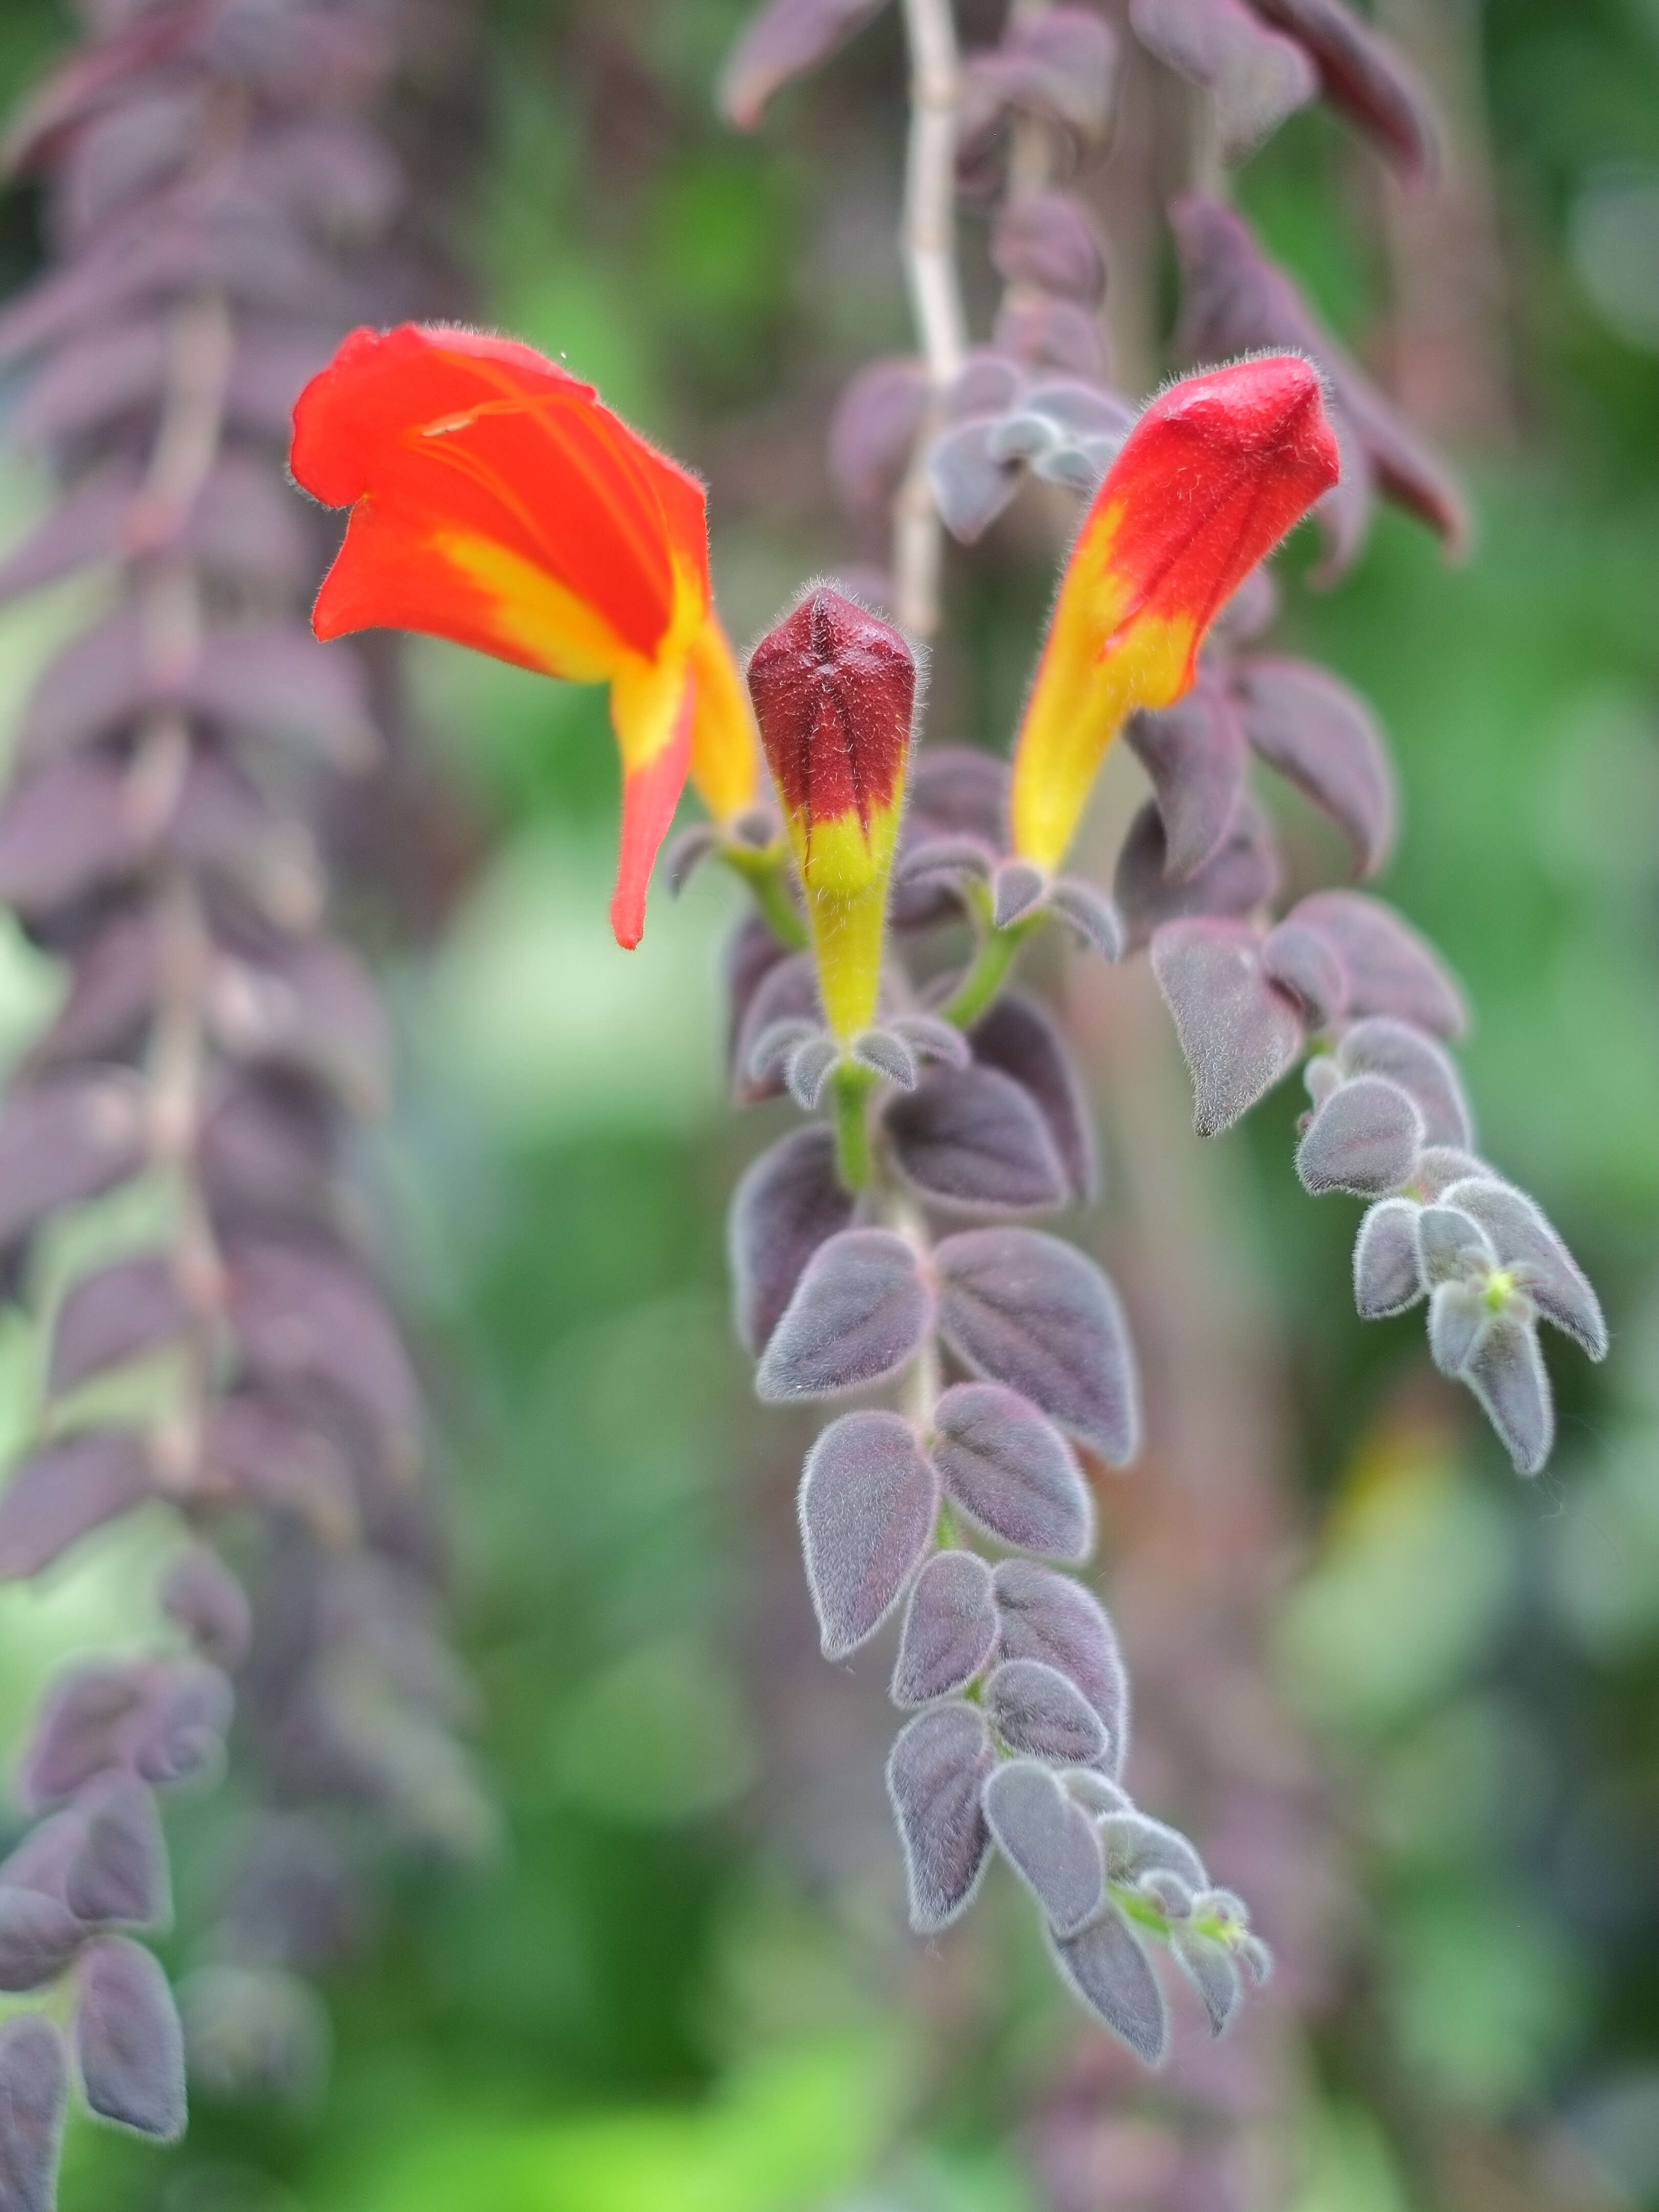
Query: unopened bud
835	690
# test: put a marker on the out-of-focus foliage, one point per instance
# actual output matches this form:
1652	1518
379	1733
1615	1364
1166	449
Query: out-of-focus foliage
681	1985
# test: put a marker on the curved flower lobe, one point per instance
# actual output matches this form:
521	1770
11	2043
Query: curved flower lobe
834	690
1212	476
496	503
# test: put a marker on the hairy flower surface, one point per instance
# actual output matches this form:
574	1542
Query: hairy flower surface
1214	473
835	691
495	501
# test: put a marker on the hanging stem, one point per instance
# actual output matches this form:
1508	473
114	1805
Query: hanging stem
852	1094
928	238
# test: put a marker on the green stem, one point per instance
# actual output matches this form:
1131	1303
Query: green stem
852	1091
764	872
986	974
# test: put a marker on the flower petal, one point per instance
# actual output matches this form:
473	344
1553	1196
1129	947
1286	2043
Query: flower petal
1214	473
725	759
495	501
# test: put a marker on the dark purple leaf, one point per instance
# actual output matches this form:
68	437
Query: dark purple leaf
1386	1278
1243	875
1209	1968
988	384
787	1204
309	1317
1017	888
1452	1247
950	1628
868	1502
132	1306
1036	1712
959	791
80	1729
65	830
112	991
858	1315
1302	961
66	1140
1107	1969
1312	729
1252	610
34	2100
1457	1314
88	524
37	1938
200	1592
226	829
103	373
1239	1033
1365	1138
1194	752
873	432
975	1139
181	1725
935	1775
685	854
1049	1840
128	2047
809	1068
120	1872
885	1053
1045	241
930	1038
1505	1370
1061	65
41	1861
246	524
64	1490
1526	1241
272	680
1442	1165
1363	75
1020	1308
257	1448
1092	917
1051	334
1012	1471
265	1150
1046	1615
1390	969
782	40
103	678
970	489
1256	76
309	1007
786	991
1382	1046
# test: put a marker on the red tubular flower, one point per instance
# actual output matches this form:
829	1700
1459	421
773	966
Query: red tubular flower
1209	480
495	501
834	690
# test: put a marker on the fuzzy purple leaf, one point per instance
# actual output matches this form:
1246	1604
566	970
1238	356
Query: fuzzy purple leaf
1302	962
200	1594
1049	1840
872	431
1256	76
1092	917
1457	1314
120	1872
1038	1712
1208	1965
1239	1033
868	1501
1194	752
789	1202
34	2082
970	488
1505	1370
857	1316
64	1490
1107	1968
1243	875
1061	65
38	1936
307	1318
936	1775
1382	1046
782	40
1136	1845
129	2046
1365	1139
975	1139
1017	888
67	1139
1313	729
1023	1309
1525	1241
1045	241
950	1629
80	1729
1360	73
1390	969
1012	1471
130	1307
1452	1247
1047	1616
1387	1276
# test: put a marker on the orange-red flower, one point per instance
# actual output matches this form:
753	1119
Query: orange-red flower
1209	480
495	501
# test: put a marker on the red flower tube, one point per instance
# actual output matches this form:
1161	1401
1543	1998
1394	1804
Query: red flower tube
496	503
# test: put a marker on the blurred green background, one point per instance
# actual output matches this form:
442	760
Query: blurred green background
682	1984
